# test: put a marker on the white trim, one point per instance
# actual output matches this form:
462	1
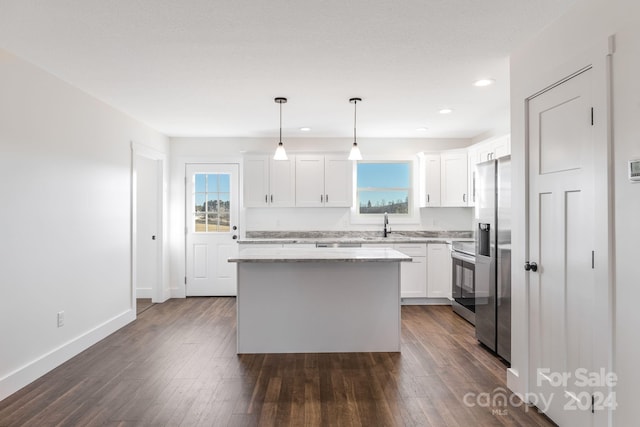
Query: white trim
35	369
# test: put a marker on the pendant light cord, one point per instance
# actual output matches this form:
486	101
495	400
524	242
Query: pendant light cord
355	106
280	140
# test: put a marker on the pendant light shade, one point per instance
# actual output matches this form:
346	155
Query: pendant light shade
355	154
280	154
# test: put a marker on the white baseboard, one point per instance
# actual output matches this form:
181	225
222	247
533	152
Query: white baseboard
33	370
144	293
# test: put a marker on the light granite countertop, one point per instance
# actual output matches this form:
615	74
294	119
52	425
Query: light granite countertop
266	255
355	237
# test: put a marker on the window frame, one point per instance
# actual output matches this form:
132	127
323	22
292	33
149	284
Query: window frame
411	217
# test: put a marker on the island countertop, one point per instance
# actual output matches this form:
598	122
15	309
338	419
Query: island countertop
265	255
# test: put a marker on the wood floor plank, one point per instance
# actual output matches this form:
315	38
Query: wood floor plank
176	365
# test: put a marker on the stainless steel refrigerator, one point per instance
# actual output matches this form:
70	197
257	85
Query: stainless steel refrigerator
492	224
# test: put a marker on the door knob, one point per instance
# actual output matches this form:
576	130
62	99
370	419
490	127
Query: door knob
153	237
531	266
234	227
234	237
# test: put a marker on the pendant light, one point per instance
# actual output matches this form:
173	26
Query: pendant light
281	154
355	151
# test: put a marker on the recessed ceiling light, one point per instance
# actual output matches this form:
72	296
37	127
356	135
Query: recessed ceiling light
445	111
422	129
484	82
305	129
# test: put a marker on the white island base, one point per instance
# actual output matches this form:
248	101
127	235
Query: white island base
312	306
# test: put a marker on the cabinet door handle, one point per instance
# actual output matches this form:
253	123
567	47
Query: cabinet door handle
321	200
266	198
464	197
427	198
272	198
326	198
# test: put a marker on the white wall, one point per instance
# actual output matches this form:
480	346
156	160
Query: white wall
587	25
65	168
186	150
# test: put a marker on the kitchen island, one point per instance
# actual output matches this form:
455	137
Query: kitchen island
318	300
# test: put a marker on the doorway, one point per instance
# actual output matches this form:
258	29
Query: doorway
147	201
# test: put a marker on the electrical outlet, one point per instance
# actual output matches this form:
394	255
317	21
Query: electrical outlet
60	319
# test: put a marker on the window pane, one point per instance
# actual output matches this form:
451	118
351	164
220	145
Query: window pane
377	202
212	202
199	202
212	222
224	221
200	225
201	183
383	175
223	183
223	202
212	183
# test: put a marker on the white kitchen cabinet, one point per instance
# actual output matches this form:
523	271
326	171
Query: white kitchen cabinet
453	173
494	148
438	270
323	181
413	275
268	182
413	280
472	161
429	180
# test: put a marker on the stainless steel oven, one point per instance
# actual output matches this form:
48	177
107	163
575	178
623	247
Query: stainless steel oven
463	280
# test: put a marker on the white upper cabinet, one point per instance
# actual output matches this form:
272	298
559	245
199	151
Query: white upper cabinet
472	160
268	182
494	148
323	181
453	172
429	180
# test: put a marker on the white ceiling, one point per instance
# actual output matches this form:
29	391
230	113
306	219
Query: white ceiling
213	67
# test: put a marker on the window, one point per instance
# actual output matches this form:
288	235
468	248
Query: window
384	187
211	202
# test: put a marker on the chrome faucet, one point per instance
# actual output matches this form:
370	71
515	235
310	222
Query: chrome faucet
386	230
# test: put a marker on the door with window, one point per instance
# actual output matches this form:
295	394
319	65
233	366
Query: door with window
211	229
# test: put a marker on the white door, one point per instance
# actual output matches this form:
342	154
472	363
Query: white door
148	207
561	241
212	219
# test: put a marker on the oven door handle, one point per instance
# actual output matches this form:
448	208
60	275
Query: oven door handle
463	257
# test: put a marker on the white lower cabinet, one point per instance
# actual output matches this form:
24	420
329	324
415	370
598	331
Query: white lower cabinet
413	280
438	270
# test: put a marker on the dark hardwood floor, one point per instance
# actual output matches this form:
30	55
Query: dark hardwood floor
176	365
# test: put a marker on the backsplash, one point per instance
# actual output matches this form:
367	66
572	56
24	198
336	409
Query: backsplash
355	234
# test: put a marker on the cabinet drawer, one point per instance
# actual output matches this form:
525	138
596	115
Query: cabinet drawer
412	249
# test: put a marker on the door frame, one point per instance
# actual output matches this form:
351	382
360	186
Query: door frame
598	59
158	294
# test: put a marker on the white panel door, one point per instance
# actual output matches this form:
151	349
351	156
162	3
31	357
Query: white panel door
212	219
338	181
561	241
148	208
454	179
309	180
